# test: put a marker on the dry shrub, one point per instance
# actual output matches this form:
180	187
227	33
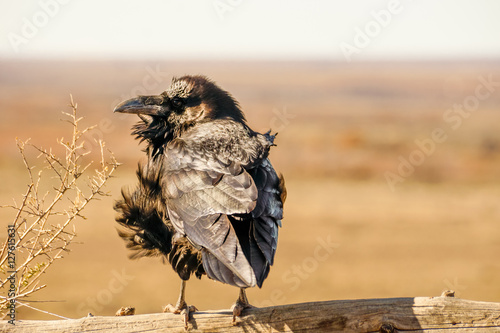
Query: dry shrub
60	187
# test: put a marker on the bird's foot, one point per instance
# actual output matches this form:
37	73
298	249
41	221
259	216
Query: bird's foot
182	309
238	308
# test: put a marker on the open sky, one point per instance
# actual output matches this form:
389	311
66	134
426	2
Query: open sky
257	29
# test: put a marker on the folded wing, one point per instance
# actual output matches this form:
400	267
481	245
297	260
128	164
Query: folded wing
231	214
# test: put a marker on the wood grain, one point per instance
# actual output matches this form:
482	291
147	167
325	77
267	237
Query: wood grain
421	314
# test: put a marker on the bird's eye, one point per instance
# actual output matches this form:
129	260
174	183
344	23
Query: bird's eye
177	102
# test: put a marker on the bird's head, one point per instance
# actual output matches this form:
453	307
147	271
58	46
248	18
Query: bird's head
188	100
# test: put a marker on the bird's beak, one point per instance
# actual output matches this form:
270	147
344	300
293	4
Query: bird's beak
139	105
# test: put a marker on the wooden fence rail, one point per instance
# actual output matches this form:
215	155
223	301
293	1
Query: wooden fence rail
419	314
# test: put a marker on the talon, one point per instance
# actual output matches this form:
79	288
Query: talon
183	309
185	313
237	310
171	309
240	305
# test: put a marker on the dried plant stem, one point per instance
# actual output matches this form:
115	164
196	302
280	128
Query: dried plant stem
44	221
46	312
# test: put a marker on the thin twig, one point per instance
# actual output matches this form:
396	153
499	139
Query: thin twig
39	241
39	310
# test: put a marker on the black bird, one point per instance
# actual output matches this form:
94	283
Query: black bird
208	197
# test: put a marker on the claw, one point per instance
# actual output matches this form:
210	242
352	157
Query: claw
181	307
184	310
240	305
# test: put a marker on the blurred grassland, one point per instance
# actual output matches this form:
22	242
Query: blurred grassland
341	128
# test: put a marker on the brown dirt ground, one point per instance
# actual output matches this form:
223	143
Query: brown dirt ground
347	127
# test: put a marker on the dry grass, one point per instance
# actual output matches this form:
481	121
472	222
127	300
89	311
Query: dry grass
438	230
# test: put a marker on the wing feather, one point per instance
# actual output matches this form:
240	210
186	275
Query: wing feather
228	208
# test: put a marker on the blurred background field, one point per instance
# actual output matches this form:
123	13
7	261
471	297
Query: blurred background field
342	126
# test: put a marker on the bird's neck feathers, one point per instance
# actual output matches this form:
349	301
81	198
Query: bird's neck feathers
155	131
223	106
159	131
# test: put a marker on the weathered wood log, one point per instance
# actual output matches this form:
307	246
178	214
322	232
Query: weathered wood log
424	314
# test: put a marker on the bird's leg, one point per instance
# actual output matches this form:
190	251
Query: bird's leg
240	305
181	307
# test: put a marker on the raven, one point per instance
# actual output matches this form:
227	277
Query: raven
208	197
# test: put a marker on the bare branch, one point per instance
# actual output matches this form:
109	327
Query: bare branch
39	242
39	310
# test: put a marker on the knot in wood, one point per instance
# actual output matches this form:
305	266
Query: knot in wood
448	293
386	328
